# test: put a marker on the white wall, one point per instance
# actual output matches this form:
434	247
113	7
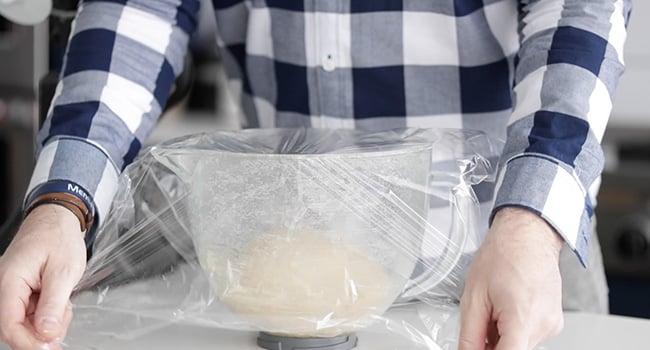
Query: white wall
632	104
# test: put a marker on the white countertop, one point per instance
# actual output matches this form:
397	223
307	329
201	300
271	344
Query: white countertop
136	316
581	331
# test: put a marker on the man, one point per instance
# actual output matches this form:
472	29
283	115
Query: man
540	74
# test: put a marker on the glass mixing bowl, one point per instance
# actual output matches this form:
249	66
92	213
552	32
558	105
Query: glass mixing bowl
308	237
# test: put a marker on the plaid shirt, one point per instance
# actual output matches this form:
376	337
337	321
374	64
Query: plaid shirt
539	74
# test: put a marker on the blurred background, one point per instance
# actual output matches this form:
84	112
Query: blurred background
30	57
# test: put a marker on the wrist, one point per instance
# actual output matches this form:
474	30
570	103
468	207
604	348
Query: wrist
56	217
520	221
66	195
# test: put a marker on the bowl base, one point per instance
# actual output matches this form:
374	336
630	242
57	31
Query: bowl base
278	342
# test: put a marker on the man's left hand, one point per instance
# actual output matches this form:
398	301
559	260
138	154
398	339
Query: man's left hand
513	296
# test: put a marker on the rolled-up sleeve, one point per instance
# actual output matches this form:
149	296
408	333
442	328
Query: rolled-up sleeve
120	65
566	73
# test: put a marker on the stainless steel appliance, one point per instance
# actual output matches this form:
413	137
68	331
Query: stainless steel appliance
623	221
623	211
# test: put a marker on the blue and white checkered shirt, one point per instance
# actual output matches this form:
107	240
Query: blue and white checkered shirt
539	74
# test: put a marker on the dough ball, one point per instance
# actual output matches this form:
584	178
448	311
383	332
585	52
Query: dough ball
303	284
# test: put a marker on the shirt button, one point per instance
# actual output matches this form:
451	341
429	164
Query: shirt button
328	63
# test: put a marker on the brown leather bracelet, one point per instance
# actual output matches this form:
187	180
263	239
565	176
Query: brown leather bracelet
68	201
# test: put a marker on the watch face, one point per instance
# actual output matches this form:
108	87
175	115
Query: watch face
25	12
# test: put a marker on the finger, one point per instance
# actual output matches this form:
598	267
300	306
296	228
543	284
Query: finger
514	334
23	338
67	318
475	319
513	341
54	346
57	283
492	335
31	306
14	327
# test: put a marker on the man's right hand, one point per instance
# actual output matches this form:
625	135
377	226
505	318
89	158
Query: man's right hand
37	274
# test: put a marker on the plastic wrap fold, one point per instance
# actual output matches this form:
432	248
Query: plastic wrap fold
294	232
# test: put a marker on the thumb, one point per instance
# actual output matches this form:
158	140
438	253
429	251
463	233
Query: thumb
475	319
58	280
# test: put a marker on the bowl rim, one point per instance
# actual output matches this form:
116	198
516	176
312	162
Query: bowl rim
370	152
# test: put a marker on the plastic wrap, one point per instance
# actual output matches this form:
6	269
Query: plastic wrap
304	233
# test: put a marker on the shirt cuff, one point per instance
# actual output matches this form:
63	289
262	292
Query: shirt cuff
544	186
66	162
